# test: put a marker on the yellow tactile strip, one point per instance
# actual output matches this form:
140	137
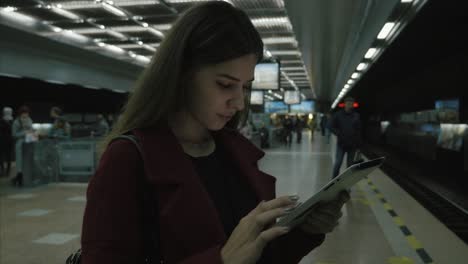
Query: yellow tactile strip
412	241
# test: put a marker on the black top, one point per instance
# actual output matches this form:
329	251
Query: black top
347	127
229	191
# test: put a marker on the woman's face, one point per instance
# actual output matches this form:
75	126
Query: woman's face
219	91
24	117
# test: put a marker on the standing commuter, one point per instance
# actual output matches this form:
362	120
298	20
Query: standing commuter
22	126
346	125
6	141
213	203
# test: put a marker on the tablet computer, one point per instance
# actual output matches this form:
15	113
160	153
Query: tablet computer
330	191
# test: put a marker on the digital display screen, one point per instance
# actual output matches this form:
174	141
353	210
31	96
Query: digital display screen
448	104
304	107
276	107
266	76
256	98
292	97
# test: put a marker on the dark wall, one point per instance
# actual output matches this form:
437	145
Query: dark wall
40	96
428	61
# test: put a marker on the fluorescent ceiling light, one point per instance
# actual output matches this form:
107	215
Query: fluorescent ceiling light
387	28
347	86
355	75
162	26
156	32
65	13
290	61
125	29
280	40
100	44
135	2
57	29
117	34
267	53
370	53
140	42
303	96
292	68
148	47
142	59
144	24
350	81
114	49
113	10
9	9
271	21
129	46
362	66
285	52
87	31
406	1
296	74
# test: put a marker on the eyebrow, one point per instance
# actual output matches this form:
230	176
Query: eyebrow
232	77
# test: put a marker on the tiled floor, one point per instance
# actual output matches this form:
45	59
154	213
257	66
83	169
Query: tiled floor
42	224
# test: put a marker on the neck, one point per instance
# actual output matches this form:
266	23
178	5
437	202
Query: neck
187	129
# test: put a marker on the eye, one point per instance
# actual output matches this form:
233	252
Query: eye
224	85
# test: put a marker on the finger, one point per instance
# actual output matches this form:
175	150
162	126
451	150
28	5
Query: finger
282	201
270	216
344	197
270	234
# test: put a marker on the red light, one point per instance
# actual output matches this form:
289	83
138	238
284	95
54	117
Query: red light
342	105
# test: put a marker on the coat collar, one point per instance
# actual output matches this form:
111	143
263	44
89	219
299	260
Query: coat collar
160	144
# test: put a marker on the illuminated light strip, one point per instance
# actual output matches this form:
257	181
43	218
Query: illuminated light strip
280	40
155	32
292	68
370	53
271	21
385	32
285	52
113	10
65	13
290	61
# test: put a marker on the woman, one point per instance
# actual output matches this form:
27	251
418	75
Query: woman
214	205
22	126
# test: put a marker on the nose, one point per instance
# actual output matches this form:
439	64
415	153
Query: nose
237	101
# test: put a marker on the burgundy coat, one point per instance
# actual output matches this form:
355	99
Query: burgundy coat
190	228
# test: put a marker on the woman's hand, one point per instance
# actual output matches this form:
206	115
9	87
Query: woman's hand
324	218
249	238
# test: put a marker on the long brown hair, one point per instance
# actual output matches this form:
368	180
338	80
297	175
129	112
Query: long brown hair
206	34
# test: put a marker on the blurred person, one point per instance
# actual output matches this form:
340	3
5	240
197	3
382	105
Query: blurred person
101	127
299	127
61	129
6	141
346	125
287	129
312	127
323	124
327	127
247	131
213	203
22	126
264	136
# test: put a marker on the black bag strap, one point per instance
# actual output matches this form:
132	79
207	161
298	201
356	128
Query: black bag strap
150	213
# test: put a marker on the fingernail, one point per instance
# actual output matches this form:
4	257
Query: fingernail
294	198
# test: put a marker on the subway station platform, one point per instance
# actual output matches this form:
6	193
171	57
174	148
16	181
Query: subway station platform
381	224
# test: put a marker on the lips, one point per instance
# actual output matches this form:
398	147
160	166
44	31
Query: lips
227	117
